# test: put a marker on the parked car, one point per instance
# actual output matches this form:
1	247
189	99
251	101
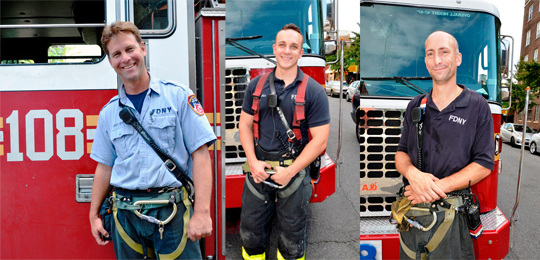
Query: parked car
332	88
351	89
535	141
513	133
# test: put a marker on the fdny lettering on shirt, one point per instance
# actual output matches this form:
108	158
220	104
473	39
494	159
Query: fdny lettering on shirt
160	110
457	119
195	105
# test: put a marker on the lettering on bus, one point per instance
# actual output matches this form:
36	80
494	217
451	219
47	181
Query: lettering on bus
46	117
371	187
443	13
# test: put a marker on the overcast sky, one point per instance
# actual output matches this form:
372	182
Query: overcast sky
511	14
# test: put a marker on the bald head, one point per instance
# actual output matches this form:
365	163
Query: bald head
444	35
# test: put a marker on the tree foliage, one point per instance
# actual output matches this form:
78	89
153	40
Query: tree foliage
351	55
527	75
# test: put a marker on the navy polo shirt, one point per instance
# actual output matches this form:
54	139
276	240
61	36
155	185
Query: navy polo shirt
453	138
316	109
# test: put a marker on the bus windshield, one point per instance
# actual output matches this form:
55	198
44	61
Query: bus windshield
393	37
266	17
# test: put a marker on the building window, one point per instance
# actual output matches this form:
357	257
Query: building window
531	12
536	55
537	114
526	58
520	116
529	114
528	38
537	30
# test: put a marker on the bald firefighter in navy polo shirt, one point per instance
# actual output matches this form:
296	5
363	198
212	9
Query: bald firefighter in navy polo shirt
458	149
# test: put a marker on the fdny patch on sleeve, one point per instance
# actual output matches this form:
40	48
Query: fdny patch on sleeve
195	105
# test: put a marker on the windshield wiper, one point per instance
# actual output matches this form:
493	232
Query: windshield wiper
404	79
233	42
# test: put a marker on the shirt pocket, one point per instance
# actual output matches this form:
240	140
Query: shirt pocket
124	139
163	131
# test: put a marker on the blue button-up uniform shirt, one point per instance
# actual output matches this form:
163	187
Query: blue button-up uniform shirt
174	119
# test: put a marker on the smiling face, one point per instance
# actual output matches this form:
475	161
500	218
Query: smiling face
442	57
288	49
127	57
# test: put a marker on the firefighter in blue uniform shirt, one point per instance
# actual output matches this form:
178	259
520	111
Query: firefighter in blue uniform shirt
261	202
458	151
174	118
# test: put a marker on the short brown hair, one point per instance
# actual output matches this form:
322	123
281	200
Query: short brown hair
118	27
293	27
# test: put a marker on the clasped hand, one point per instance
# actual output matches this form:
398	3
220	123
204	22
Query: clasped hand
423	188
259	174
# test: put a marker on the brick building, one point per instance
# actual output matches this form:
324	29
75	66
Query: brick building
530	46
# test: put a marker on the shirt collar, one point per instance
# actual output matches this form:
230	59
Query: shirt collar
299	76
462	99
154	87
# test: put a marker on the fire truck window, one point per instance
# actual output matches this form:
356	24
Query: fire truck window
74	53
152	16
41	31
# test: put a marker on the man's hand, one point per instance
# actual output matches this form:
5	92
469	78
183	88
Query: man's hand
200	226
97	228
282	176
258	171
422	188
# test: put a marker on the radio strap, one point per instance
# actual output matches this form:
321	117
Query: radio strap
129	118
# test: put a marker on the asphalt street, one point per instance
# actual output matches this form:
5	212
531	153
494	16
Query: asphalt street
527	226
333	225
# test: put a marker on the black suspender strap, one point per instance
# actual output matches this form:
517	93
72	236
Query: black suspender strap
289	132
129	118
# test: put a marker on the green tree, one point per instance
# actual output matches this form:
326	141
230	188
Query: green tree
527	75
351	55
59	50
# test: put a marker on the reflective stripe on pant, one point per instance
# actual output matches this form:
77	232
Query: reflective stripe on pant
455	244
133	238
288	206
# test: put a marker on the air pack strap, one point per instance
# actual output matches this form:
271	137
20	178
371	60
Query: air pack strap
299	109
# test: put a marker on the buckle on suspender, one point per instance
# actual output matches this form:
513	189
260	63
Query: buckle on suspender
170	165
290	134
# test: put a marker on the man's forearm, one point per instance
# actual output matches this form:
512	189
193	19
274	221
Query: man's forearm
473	172
102	178
313	149
245	127
202	179
404	164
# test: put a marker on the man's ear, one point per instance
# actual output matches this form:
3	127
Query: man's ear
143	48
459	59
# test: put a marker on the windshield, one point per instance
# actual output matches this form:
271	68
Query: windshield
393	37
267	17
519	128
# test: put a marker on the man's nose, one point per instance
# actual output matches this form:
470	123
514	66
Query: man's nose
438	59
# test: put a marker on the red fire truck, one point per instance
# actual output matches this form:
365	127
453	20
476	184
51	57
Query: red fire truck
55	79
251	30
393	33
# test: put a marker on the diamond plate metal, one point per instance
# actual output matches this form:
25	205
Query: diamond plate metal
381	226
233	169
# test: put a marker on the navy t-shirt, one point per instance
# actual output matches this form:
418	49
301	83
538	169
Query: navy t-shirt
137	99
317	112
453	138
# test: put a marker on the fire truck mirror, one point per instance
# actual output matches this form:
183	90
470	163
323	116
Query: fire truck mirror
83	187
330	47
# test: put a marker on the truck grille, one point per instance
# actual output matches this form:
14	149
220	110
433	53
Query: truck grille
236	81
380	131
